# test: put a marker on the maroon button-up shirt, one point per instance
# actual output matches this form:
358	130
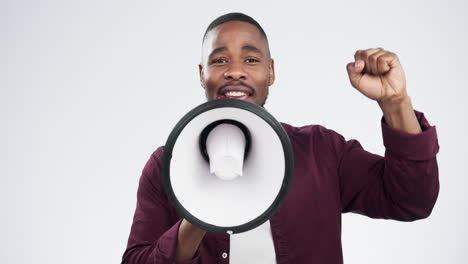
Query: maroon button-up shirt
332	176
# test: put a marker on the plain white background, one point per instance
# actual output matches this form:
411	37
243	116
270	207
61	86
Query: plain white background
89	89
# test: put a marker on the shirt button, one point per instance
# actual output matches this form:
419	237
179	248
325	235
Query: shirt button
224	255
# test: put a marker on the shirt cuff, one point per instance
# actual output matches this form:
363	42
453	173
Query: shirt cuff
422	146
167	245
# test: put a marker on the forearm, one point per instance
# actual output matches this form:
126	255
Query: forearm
400	116
402	186
189	239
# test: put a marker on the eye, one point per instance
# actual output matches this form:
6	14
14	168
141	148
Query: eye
219	61
251	60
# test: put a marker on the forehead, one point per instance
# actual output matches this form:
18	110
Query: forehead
234	34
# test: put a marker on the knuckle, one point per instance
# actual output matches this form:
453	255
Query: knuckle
381	59
357	53
365	55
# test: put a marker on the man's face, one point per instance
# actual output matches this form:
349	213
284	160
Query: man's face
236	63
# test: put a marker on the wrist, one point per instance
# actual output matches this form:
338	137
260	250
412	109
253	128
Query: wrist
189	228
395	106
399	114
188	241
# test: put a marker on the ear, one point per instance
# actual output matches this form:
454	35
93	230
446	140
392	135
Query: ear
272	72
201	71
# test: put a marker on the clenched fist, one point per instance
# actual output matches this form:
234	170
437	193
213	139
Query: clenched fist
378	74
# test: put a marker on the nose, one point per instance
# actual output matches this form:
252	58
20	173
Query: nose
235	71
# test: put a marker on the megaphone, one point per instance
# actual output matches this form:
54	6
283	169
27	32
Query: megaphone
227	166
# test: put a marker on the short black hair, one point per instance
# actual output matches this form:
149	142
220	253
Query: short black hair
234	17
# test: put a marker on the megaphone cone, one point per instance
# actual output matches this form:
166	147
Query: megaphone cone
227	166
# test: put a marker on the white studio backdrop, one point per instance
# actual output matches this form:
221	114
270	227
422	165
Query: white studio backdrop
89	89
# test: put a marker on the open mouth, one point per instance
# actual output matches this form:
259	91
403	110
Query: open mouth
235	95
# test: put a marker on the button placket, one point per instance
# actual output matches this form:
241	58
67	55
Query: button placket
223	248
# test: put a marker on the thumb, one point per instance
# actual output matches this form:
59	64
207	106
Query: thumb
355	72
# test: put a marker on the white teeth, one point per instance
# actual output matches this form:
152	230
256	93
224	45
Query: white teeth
235	93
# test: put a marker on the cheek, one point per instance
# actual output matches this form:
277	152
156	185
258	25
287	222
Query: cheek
208	77
262	79
210	83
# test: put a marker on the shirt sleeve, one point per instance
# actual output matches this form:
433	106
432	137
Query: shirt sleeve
154	232
403	185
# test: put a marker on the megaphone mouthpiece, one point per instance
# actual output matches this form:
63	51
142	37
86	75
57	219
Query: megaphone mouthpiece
225	145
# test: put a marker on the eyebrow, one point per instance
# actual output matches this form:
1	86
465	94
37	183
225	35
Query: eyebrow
252	48
217	50
246	47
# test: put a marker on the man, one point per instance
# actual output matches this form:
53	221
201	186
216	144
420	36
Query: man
332	175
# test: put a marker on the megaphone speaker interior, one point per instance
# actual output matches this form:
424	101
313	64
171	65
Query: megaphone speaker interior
241	197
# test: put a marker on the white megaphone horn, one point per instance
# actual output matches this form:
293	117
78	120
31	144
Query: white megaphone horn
227	166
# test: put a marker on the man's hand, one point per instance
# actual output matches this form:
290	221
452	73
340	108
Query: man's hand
378	74
188	241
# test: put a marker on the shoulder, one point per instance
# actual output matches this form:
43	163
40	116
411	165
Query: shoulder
314	131
315	138
153	165
157	154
